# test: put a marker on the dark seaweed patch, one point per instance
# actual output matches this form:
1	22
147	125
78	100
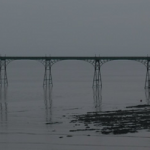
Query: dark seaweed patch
116	122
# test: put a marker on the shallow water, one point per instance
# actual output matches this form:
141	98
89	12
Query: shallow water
30	118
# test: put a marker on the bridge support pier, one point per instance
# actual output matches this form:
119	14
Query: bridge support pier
3	73
97	81
147	80
47	82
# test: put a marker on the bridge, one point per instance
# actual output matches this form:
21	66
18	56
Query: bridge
48	62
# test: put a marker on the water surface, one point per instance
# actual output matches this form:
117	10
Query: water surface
34	118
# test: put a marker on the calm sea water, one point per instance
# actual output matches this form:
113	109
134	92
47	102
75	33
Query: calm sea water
26	108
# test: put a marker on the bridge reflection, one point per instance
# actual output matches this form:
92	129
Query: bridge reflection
97	97
48	103
147	94
3	105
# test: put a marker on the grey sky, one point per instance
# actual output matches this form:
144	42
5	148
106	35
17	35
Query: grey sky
75	27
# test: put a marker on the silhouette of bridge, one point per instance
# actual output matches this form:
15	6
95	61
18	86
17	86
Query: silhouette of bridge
48	62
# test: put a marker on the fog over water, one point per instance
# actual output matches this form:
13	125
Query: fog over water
35	118
26	110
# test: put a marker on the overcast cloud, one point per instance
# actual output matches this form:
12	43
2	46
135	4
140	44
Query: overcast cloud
75	27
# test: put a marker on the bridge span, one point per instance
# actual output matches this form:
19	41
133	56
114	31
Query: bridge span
49	61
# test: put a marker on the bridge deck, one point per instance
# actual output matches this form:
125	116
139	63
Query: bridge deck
74	58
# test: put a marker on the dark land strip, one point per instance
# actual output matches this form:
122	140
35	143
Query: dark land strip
130	120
